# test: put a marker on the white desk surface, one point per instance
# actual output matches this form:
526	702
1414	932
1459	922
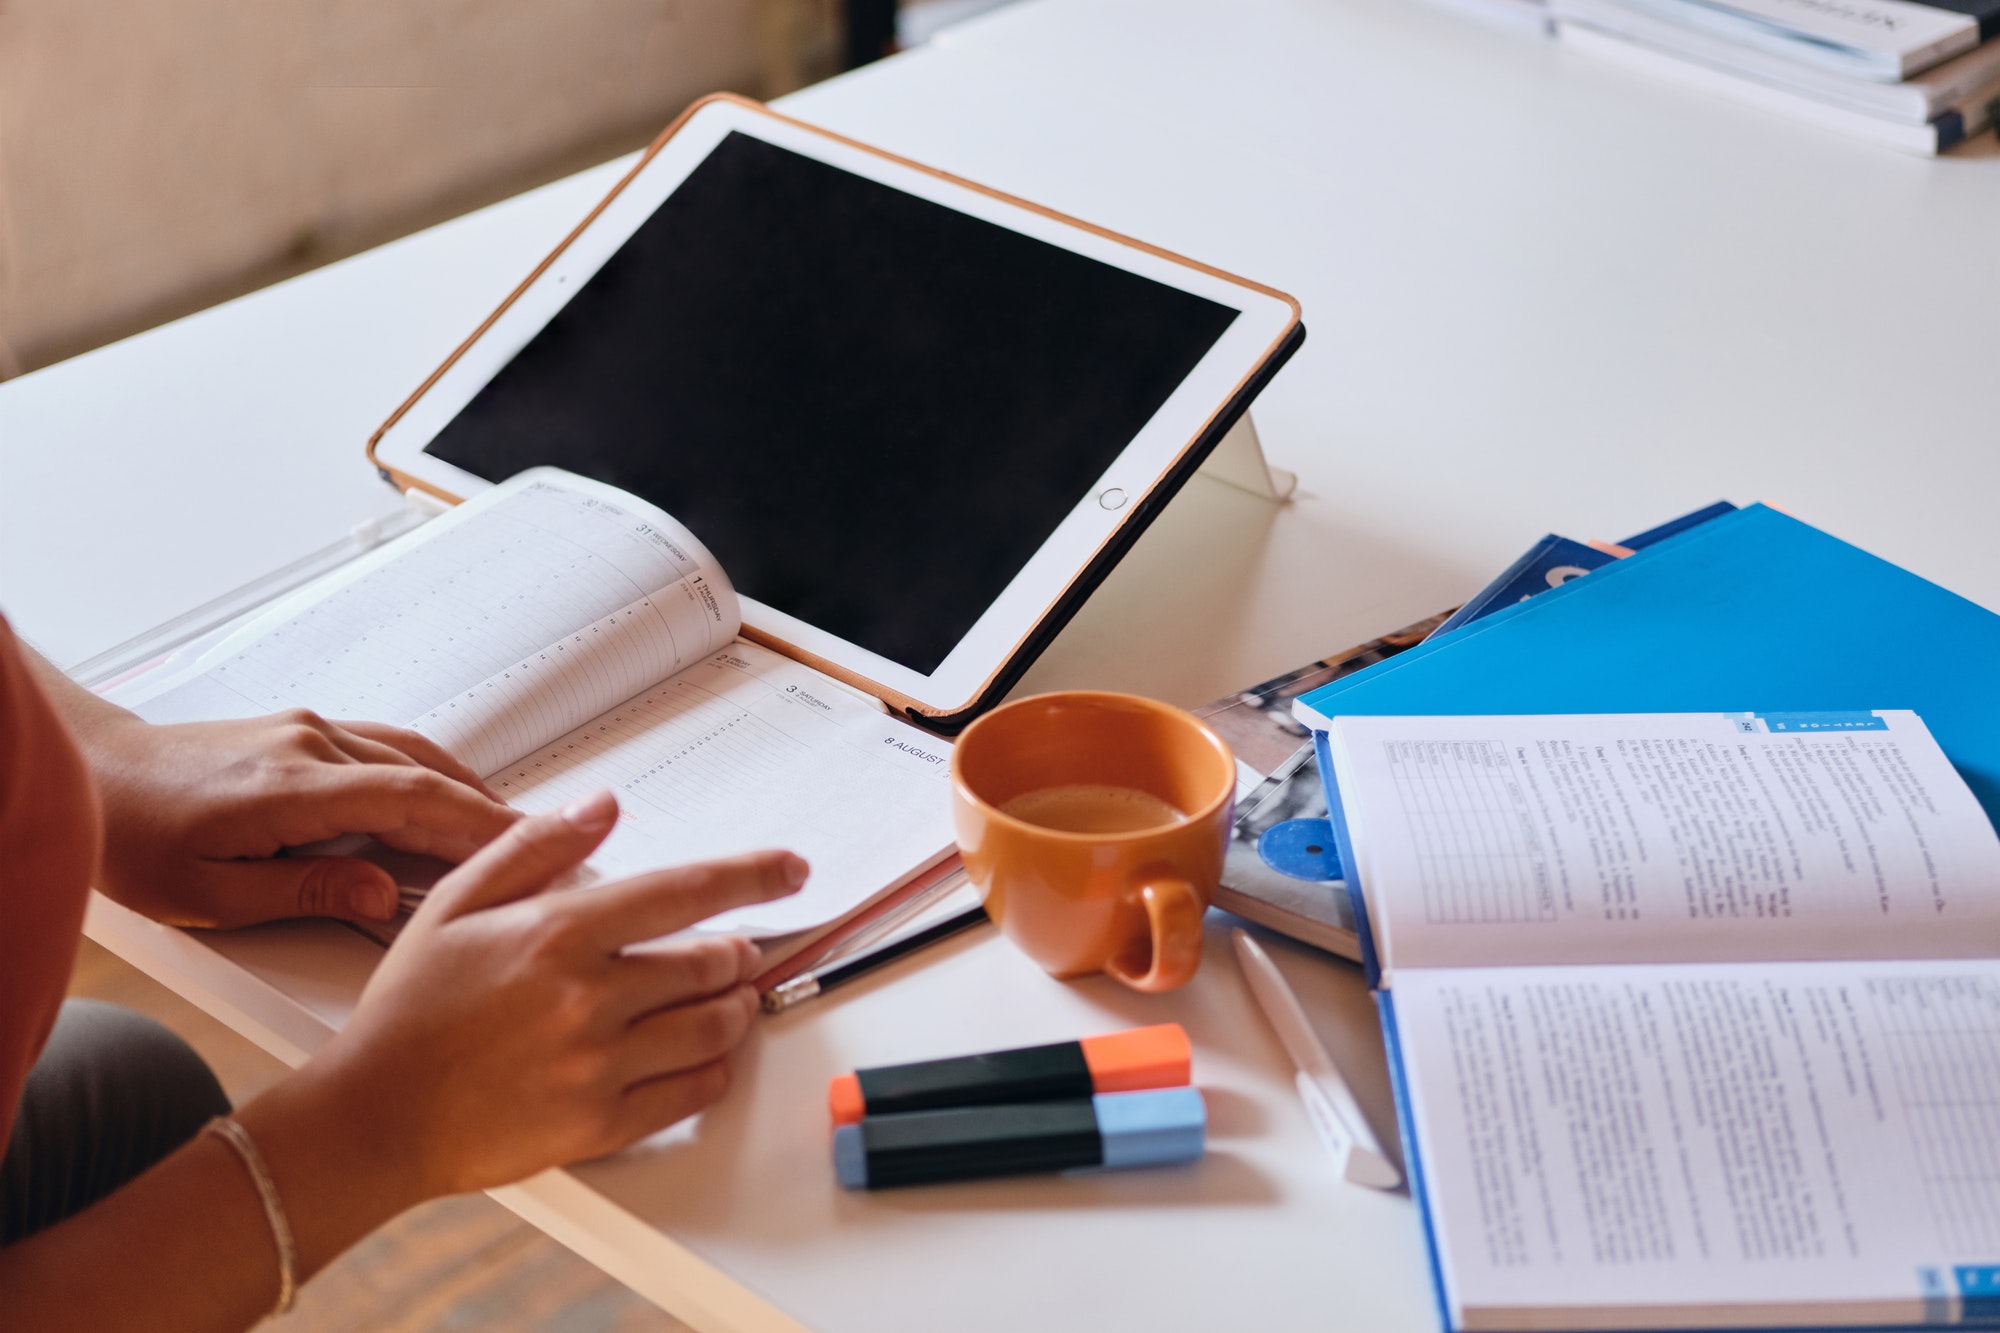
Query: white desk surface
1542	296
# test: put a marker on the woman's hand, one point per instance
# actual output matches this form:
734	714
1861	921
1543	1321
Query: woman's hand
508	1030
195	815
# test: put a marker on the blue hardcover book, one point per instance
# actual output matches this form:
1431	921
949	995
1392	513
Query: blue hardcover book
1549	563
1675	526
1752	610
1693	1016
1554	561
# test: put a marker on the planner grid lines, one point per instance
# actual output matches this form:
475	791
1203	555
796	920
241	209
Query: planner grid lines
688	772
723	759
1943	1038
556	688
1469	822
684	754
448	608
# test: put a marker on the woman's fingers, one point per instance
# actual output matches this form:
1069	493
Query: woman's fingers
378	748
661	902
675	972
407	806
227	894
371	757
408	746
525	859
530	1032
652	1106
371	765
670	1041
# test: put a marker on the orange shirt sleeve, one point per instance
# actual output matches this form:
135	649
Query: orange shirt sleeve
50	833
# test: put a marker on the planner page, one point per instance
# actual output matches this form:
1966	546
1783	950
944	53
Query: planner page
493	629
749	750
1664	837
1722	1146
560	636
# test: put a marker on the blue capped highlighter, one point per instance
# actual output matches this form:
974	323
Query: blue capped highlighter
1106	1132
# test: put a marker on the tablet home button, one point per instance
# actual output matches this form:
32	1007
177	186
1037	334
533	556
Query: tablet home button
1112	499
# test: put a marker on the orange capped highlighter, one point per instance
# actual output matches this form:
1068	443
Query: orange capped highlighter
1130	1061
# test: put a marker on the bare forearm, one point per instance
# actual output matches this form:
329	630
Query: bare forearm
82	710
196	814
188	1246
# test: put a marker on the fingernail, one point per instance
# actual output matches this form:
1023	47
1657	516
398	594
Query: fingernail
593	814
370	895
796	871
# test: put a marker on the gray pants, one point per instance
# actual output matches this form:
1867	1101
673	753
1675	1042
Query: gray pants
112	1094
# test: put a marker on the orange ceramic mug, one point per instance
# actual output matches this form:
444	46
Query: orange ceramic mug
1094	826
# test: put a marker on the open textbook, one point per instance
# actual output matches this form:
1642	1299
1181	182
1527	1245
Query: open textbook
1282	870
1695	1019
559	636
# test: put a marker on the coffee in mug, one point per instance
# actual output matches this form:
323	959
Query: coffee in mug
1092	807
1094	825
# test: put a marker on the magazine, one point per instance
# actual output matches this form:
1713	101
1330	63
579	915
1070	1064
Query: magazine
1281	870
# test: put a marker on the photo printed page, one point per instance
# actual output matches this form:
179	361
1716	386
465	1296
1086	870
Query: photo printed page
493	629
1708	1145
1664	837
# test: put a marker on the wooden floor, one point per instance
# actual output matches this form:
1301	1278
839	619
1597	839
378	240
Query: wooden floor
464	1263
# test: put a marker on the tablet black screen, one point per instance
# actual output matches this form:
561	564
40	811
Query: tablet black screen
873	409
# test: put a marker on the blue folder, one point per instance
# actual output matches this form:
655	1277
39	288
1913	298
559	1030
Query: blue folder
1752	611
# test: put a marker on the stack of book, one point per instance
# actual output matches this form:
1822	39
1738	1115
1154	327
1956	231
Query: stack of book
1692	1015
1281	869
1918	77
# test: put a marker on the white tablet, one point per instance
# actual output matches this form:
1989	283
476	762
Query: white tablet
917	421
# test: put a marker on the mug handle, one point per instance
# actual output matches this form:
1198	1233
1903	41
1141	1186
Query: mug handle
1174	913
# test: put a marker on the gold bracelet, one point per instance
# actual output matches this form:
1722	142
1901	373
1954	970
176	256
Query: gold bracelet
237	1137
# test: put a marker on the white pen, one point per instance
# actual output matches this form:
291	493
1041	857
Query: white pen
1329	1105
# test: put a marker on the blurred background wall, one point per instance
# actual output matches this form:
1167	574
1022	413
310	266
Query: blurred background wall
157	156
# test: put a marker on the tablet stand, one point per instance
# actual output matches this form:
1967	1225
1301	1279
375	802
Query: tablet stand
1239	461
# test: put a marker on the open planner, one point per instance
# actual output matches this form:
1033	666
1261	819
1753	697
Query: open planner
1695	1018
559	636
